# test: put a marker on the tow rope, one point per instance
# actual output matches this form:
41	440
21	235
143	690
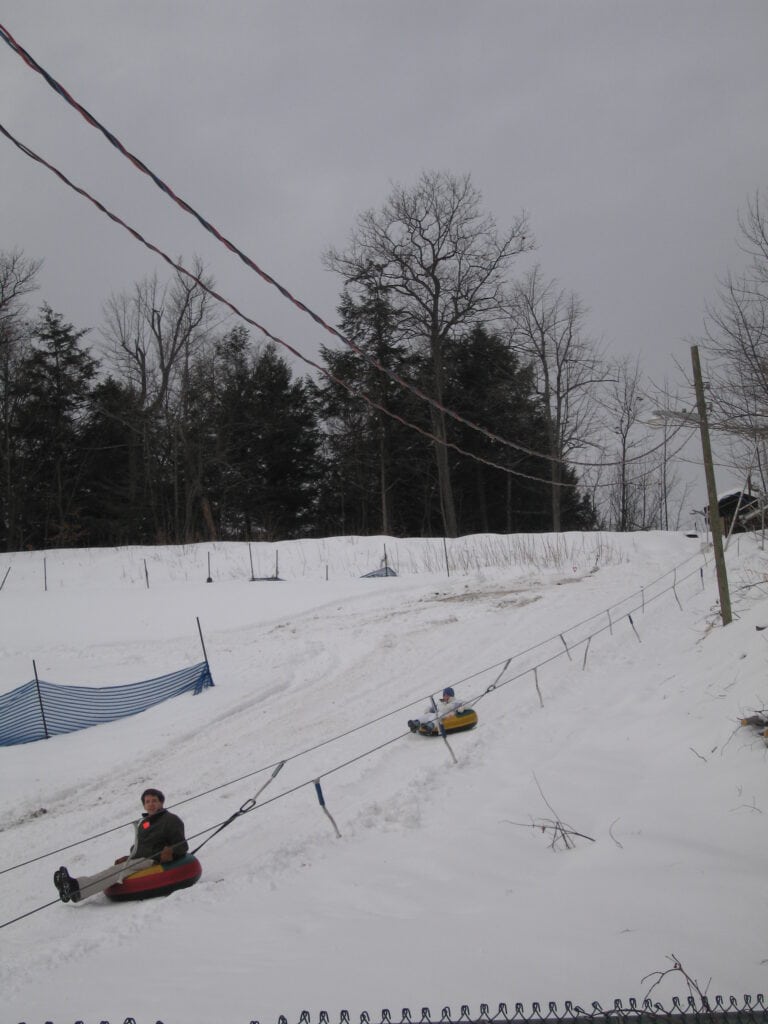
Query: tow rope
247	806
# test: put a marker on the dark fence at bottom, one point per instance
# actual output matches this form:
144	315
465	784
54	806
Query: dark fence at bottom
718	1010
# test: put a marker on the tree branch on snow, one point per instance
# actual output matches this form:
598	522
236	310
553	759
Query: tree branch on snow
613	837
562	833
694	989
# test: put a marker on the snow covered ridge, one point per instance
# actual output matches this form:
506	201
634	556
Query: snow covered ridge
433	896
327	558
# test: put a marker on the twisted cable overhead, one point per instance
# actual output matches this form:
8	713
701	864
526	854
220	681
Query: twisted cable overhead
372	361
272	337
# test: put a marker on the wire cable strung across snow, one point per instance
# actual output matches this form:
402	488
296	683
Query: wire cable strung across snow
596	615
252	804
503	664
496	684
372	361
225	785
249	806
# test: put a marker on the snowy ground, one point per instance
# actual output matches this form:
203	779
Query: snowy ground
439	892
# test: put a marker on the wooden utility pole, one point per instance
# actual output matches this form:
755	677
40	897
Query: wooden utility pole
715	522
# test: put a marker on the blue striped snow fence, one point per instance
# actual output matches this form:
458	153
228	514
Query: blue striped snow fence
38	709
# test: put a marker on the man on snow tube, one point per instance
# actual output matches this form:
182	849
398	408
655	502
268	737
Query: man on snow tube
451	708
159	838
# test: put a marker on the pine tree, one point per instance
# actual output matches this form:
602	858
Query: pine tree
487	385
380	472
114	507
54	380
263	475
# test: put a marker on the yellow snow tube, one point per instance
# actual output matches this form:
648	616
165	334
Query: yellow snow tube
457	721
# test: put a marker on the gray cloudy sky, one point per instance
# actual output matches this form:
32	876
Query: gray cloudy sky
631	131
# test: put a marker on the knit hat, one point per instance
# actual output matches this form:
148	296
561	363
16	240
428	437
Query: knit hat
448	692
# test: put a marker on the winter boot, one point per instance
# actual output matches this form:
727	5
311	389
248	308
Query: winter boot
66	885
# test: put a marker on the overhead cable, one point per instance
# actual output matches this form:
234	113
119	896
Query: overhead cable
403	382
181	269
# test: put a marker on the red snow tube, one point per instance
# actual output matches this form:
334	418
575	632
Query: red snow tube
158	880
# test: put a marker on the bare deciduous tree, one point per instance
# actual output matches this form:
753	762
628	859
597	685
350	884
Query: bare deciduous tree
155	331
638	486
623	402
441	263
736	347
546	327
18	277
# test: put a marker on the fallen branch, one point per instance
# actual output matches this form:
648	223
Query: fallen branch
694	988
613	837
561	832
558	828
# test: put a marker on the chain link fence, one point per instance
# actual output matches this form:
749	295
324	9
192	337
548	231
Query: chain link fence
718	1010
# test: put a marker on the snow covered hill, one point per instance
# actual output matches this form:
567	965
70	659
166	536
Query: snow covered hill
608	695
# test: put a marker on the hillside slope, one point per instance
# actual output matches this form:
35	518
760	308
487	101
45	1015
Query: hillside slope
608	696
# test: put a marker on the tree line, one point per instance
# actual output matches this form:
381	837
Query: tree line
465	401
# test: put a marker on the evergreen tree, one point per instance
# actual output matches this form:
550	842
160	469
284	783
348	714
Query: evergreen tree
263	478
379	472
55	380
487	385
115	509
18	277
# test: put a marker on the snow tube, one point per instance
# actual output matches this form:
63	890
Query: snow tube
158	880
457	721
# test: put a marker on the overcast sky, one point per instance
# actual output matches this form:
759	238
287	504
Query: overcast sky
631	131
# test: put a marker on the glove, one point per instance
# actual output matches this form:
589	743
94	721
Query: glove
166	854
121	860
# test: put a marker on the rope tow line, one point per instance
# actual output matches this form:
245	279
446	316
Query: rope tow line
252	804
247	806
224	785
498	683
586	640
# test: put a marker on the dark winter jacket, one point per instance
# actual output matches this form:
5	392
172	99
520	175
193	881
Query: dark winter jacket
155	831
